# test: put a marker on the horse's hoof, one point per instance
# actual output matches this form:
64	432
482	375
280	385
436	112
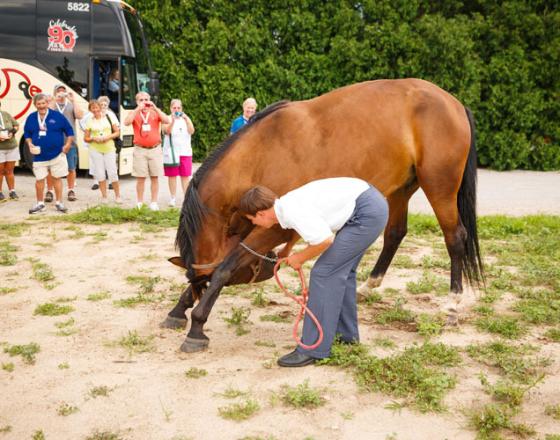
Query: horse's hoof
173	323
191	345
452	321
366	289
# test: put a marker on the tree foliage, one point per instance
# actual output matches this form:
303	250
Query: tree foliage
500	58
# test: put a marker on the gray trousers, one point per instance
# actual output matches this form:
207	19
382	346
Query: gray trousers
332	286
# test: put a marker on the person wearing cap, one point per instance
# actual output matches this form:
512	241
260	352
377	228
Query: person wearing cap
48	135
63	102
147	159
249	109
9	153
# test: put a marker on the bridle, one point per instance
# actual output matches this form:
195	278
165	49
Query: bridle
256	267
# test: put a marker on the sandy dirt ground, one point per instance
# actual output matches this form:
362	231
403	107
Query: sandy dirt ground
148	394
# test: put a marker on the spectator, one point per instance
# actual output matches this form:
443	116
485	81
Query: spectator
249	109
113	89
100	133
64	103
104	102
9	153
146	121
49	136
177	150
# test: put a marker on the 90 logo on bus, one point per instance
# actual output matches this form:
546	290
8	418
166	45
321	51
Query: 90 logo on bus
62	37
78	7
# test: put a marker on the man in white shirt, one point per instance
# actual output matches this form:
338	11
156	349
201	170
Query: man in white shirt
339	218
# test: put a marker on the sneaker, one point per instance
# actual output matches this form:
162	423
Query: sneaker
49	197
139	205
39	207
2	197
95	186
154	206
172	202
71	195
111	185
61	208
13	195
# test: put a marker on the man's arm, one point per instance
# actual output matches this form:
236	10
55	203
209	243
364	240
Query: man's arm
162	116
130	117
311	251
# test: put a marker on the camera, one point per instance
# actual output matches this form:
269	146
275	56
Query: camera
148	104
178	114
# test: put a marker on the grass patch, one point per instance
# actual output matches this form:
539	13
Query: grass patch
507	326
7	254
403	262
65	409
239	319
99	296
280	318
104	435
146	287
63	366
99	391
553	334
302	396
27	352
259	298
135	343
5	429
195	373
6	290
419	374
539	306
102	215
269	344
553	411
41	271
396	314
38	435
430	325
428	283
373	298
52	309
431	262
239	411
233	393
9	367
384	343
13	229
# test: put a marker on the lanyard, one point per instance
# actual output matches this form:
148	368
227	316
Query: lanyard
2	126
61	110
145	119
42	125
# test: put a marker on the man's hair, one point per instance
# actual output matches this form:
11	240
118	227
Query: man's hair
39	97
141	94
249	101
256	199
104	99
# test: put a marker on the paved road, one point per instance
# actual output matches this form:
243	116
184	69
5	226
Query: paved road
510	193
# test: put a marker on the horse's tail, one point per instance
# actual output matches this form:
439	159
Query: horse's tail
466	203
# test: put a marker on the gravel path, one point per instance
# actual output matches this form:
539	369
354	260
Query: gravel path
510	193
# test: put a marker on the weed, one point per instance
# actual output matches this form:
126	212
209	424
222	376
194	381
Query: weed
384	343
553	334
390	291
552	437
506	326
7	254
102	215
5	290
38	435
280	318
41	271
195	373
9	367
373	298
395	314
430	262
427	284
99	296
52	309
70	322
232	393
5	429
259	298
505	391
239	319
540	307
265	344
100	391
239	411
553	411
135	343
145	283
430	325
347	415
484	310
302	396
13	229
104	435
27	352
63	366
146	286
403	262
65	410
490	419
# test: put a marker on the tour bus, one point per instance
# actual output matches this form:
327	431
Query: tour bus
82	44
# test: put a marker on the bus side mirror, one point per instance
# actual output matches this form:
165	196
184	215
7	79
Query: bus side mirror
154	84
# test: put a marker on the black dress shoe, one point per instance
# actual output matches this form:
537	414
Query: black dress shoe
295	359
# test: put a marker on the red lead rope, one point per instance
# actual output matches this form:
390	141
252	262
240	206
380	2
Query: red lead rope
303	303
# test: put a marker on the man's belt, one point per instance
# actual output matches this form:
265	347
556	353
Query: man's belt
147	148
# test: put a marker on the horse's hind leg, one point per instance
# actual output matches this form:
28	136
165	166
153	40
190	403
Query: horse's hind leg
394	233
176	317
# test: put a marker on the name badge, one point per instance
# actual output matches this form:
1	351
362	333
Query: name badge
42	133
146	127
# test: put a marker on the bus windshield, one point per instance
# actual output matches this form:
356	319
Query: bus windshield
140	50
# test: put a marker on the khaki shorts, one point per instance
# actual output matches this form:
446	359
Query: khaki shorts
9	155
147	162
57	166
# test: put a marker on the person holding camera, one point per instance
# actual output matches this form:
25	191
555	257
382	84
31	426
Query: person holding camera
9	153
146	120
177	150
64	103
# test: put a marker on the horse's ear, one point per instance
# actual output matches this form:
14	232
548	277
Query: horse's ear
177	261
239	225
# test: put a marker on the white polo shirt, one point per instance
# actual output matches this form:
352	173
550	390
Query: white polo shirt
320	208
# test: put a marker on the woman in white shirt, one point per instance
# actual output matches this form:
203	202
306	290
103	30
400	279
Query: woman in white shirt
339	218
177	150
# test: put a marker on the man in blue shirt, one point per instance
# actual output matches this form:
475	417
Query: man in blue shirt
249	109
44	134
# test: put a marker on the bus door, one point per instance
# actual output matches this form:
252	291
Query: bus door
105	81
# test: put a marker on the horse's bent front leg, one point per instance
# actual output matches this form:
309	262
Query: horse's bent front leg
176	317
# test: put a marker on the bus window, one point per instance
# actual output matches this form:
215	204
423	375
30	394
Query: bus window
129	83
140	51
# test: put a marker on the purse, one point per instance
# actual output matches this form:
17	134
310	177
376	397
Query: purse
117	141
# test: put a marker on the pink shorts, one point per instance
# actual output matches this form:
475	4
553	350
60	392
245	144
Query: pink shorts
184	168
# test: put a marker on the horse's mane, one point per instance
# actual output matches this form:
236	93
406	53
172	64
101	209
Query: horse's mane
193	210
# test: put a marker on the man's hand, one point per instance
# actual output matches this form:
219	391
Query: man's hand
295	261
66	148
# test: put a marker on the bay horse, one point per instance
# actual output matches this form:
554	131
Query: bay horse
398	135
